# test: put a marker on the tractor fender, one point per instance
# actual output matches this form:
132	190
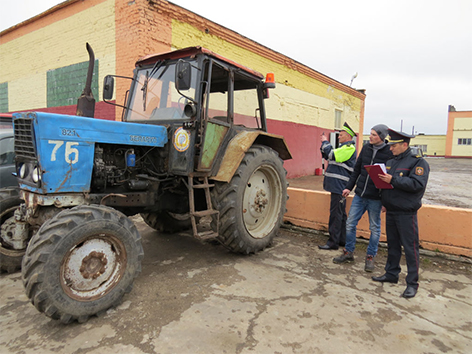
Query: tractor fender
241	143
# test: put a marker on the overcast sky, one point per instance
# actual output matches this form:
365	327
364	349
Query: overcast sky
413	57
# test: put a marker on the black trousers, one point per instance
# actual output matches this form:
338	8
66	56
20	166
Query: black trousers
402	230
337	221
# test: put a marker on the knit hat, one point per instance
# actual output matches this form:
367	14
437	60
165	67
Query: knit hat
382	130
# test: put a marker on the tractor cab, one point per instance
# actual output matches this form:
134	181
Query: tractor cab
204	99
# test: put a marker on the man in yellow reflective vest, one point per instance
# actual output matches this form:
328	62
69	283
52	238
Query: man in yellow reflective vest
341	163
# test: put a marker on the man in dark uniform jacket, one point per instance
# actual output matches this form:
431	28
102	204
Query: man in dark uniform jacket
341	163
408	174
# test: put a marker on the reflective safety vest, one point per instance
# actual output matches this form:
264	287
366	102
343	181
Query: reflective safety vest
341	163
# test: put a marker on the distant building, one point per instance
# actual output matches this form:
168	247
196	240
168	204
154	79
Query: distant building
432	145
456	143
459	133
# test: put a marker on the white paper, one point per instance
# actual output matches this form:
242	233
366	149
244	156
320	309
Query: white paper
382	166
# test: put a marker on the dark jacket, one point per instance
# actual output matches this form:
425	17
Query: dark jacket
365	187
410	176
340	165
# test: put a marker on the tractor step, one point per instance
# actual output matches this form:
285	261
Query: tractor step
203	185
206	235
200	230
203	231
202	213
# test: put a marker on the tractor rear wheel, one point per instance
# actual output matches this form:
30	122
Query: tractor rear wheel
252	204
10	258
82	262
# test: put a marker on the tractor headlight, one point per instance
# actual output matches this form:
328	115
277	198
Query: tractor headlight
36	174
22	170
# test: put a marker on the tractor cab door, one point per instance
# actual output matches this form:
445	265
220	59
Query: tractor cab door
216	113
234	101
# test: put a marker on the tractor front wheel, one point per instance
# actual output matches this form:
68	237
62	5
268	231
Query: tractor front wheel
82	262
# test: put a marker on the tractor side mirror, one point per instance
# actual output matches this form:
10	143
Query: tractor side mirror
108	85
183	76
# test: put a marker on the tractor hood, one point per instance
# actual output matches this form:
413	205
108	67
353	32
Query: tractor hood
61	148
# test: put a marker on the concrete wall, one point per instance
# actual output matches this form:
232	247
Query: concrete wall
301	107
440	228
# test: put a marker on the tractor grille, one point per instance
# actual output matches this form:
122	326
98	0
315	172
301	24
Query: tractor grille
24	138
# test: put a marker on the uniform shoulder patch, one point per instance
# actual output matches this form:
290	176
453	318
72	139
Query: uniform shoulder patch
419	171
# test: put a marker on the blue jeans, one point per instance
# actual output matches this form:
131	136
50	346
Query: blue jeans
358	207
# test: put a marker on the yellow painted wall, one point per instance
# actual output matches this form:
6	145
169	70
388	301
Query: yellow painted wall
462	130
26	59
27	92
436	144
463	124
297	98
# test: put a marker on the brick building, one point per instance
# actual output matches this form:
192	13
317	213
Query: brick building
44	65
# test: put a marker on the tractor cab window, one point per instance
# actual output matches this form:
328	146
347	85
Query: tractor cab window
155	96
246	102
218	95
243	106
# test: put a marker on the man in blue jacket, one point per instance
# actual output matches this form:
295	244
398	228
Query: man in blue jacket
366	198
340	166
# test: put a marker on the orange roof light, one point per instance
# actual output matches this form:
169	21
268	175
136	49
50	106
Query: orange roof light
270	81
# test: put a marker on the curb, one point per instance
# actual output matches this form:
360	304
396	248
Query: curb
423	252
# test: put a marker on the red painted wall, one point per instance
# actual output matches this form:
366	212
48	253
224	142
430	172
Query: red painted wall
304	143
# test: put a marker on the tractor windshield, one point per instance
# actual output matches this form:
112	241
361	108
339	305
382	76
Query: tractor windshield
154	95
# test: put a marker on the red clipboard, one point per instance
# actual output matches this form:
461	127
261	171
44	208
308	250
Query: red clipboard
374	171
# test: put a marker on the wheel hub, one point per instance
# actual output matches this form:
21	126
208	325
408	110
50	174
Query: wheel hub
93	265
260	201
6	232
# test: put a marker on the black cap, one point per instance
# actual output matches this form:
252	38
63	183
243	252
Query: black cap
398	137
348	129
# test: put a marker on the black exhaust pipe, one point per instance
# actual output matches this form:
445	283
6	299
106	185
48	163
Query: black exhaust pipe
86	102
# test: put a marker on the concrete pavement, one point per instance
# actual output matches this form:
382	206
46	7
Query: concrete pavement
198	298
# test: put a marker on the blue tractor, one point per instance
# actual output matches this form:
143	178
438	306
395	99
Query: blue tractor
192	152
